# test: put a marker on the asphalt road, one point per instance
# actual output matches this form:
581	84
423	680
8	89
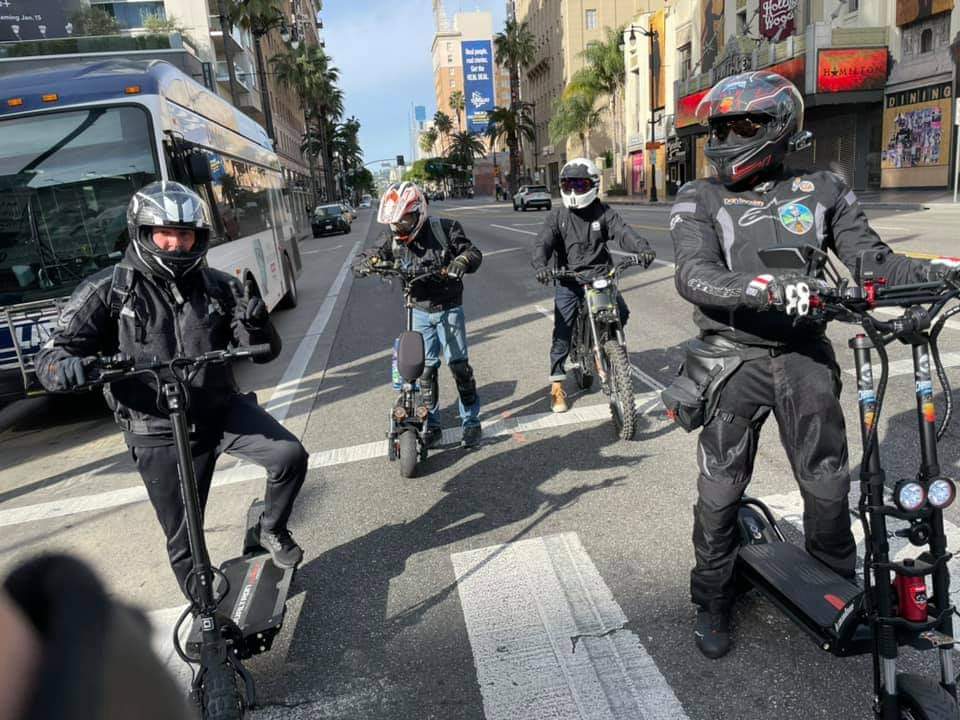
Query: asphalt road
542	575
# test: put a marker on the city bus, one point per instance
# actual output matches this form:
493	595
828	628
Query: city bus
76	141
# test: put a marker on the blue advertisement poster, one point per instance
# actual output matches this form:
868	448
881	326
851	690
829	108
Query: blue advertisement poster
36	19
477	83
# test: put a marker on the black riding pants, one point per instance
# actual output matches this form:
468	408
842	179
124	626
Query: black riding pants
566	300
248	432
802	388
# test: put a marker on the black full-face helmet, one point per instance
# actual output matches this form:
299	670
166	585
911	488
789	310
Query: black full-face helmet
170	205
755	119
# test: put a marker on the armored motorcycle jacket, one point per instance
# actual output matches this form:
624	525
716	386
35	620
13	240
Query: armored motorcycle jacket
717	233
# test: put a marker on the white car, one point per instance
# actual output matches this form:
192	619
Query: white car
532	196
366	201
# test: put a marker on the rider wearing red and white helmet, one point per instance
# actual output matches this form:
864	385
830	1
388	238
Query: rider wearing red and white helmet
416	239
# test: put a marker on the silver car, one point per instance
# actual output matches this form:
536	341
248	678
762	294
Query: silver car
532	196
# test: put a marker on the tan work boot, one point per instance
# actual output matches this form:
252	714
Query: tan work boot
558	398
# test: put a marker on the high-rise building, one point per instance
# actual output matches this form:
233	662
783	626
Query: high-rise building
561	30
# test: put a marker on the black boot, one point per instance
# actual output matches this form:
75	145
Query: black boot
433	437
712	633
281	546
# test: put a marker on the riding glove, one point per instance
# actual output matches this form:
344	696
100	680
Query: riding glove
68	373
255	314
457	267
543	275
943	268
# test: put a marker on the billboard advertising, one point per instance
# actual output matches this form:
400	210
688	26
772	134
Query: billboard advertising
846	69
36	19
686	113
711	32
477	83
916	137
777	19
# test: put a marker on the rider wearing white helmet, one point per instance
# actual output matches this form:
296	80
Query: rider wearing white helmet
576	237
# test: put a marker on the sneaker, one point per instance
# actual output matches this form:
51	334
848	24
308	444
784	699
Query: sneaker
471	436
712	633
432	437
558	398
282	547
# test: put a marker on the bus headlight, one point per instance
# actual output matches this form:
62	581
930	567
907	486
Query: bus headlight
941	492
909	495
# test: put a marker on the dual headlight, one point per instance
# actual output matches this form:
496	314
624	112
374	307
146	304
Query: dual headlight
910	495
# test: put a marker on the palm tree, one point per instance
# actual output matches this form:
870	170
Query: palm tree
574	115
464	147
514	48
457	105
443	123
603	76
258	17
428	138
506	122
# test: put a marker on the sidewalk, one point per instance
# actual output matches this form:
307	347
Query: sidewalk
925	199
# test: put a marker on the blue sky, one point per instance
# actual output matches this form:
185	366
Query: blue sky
382	48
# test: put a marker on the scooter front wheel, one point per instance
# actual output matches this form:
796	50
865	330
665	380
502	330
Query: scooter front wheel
622	407
409	453
923	698
221	694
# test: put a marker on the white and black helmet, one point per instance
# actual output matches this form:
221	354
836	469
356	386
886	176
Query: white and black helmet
168	204
579	183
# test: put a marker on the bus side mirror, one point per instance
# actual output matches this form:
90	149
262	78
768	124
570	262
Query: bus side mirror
199	168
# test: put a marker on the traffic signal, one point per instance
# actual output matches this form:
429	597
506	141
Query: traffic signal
400	161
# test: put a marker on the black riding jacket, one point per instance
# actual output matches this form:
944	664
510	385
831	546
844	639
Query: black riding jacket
577	239
436	293
717	233
153	323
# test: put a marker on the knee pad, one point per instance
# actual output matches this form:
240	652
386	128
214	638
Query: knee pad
466	384
429	387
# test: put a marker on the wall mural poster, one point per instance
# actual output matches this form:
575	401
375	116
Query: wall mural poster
36	19
914	130
909	11
477	83
657	43
711	32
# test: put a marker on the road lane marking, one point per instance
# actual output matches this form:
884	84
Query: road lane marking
500	252
494	427
455	208
285	391
789	507
511	229
549	640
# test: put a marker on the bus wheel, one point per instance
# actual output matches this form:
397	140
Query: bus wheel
290	300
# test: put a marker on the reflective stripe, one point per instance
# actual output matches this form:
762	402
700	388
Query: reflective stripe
726	225
850	198
819	215
683	207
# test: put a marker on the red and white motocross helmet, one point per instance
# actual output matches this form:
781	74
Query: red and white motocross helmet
404	208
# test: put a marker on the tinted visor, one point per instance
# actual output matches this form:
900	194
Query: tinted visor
741	127
576	185
407	223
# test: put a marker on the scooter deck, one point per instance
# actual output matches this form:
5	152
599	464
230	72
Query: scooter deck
818	599
256	602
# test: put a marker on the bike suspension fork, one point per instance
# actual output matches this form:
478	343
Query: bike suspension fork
872	485
597	350
929	469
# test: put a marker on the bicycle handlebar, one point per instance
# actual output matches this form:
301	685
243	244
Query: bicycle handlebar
115	367
408	276
583	277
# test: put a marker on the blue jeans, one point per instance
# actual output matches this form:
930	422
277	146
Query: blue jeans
446	330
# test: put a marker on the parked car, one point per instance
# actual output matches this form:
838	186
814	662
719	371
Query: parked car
532	196
349	210
329	219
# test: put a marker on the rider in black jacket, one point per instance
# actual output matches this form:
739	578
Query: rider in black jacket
161	302
718	226
418	240
575	237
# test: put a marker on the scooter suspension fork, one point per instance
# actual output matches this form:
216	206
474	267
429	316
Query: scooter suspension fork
872	483
597	350
929	469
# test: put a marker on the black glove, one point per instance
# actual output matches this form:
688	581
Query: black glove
543	275
68	373
457	267
790	292
643	258
255	313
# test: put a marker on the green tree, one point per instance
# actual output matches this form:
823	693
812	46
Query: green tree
511	122
464	148
514	48
94	21
443	124
258	17
428	138
573	115
603	77
457	105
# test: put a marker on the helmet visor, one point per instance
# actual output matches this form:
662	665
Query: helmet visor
406	224
736	128
576	185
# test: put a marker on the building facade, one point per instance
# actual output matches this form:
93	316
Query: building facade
878	81
562	29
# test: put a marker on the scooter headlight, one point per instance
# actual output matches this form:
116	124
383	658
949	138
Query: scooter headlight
600	283
941	492
909	495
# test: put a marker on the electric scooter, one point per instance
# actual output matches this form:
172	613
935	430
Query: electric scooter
238	608
406	438
891	609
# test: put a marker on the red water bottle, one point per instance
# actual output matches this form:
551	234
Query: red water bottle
912	596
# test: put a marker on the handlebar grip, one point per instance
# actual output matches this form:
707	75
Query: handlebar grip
258	350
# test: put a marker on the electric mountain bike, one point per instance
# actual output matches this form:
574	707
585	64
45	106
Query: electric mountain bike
892	609
406	437
238	608
598	346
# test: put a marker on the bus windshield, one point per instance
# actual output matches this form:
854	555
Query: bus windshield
65	181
